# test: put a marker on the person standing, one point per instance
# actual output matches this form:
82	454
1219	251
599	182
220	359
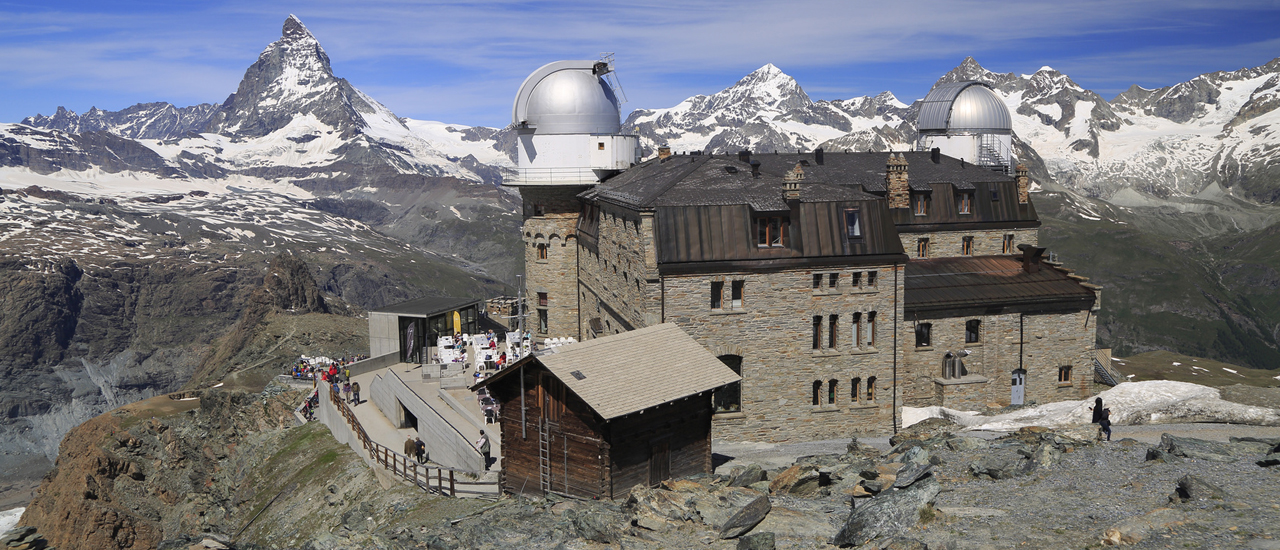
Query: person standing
346	391
410	447
1097	410
420	450
355	393
482	445
1104	424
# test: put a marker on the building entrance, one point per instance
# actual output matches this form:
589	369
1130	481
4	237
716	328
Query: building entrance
1018	387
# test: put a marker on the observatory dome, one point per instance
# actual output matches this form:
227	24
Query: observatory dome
964	106
567	97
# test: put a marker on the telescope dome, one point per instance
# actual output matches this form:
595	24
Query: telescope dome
965	107
567	97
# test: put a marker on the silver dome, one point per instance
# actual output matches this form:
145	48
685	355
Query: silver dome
567	97
966	106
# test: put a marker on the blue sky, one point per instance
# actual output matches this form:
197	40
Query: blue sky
462	62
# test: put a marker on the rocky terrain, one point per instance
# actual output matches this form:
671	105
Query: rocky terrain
226	469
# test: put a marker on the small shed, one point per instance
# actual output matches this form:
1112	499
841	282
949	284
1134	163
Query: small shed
594	419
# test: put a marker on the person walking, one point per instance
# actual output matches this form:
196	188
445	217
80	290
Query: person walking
355	393
420	451
346	391
1104	424
1097	410
482	445
410	447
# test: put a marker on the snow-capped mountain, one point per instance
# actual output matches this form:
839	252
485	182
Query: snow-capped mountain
1217	130
158	120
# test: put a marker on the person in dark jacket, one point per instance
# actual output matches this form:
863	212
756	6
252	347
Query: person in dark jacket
420	450
1104	424
1097	410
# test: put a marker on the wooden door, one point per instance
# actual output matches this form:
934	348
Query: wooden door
659	463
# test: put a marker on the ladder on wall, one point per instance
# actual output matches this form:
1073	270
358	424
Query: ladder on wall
544	456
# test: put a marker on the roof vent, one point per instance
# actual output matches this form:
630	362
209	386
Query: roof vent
755	168
1031	256
817	156
731	169
744	156
578	374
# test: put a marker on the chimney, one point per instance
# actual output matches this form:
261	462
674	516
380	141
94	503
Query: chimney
744	155
664	152
1031	257
755	168
817	156
935	155
1024	183
895	180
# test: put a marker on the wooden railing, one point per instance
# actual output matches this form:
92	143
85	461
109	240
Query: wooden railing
446	480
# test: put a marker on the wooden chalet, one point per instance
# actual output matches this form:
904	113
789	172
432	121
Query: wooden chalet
596	418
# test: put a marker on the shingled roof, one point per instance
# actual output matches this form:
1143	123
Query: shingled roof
629	372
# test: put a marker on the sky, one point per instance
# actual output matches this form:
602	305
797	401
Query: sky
462	62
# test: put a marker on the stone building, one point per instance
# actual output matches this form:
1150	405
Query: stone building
840	286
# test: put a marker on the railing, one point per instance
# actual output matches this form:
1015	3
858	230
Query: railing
545	176
410	470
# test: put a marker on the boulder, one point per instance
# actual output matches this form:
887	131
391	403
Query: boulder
594	526
761	486
751	474
1192	488
996	468
924	429
1156	454
910	473
733	510
1251	445
800	480
654	509
961	444
1045	455
889	514
1197	448
1133	530
756	541
1270	460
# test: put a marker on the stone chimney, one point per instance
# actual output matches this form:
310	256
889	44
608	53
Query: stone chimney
1024	183
664	152
895	180
1031	256
792	181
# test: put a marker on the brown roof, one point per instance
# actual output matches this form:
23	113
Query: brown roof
989	281
635	370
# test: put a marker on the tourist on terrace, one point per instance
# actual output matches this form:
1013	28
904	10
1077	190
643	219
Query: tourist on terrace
355	393
410	447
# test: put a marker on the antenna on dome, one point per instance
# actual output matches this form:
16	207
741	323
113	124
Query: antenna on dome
606	58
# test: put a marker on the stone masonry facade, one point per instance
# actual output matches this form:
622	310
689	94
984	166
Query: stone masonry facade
947	244
551	259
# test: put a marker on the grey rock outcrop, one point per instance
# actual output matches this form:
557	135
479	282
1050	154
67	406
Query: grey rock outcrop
1197	448
887	514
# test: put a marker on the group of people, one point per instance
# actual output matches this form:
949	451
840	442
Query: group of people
415	448
350	391
323	368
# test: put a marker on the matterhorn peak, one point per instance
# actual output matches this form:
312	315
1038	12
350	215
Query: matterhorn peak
294	30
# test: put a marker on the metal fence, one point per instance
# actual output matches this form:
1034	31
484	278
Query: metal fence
446	480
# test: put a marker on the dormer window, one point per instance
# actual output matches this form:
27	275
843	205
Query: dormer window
965	203
920	204
852	224
772	231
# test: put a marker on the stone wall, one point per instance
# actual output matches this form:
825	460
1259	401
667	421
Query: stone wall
616	279
947	244
551	219
772	332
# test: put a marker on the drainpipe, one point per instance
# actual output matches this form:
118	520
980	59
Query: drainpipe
895	349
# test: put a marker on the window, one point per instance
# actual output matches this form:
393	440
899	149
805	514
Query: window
736	294
772	231
871	328
832	280
542	321
817	332
922	248
817	280
995	195
817	392
965	203
1007	248
833	324
831	391
920	204
542	251
539	210
855	390
972	331
852	225
855	280
966	246
923	335
871	278
857	329
871	388
717	294
600	145
542	299
1064	374
729	398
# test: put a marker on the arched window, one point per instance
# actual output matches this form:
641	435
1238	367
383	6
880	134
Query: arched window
831	391
855	390
871	389
817	392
